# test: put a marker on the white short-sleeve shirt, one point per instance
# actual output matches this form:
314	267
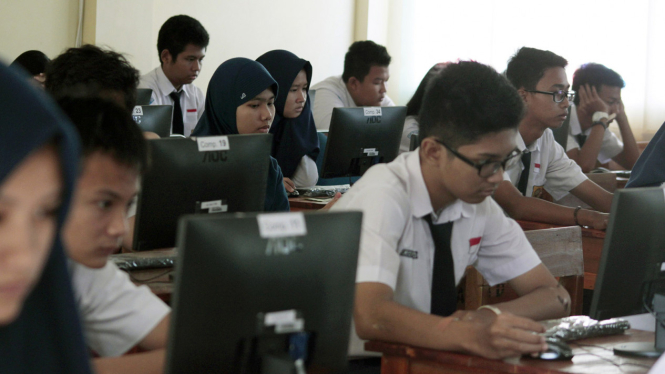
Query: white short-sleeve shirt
410	129
550	167
116	314
609	148
332	93
192	100
306	174
396	246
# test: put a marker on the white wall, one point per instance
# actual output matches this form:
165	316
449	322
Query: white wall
48	26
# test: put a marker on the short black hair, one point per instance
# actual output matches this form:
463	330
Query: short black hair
105	127
466	101
90	70
528	65
179	31
360	58
414	105
595	75
34	62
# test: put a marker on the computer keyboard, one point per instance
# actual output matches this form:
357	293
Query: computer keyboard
323	191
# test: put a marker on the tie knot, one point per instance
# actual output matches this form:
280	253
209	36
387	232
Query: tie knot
175	95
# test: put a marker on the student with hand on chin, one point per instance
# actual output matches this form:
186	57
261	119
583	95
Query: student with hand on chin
241	100
40	329
427	216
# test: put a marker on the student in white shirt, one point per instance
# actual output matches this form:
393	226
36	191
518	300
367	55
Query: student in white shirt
116	314
468	124
599	95
363	83
540	80
181	45
413	108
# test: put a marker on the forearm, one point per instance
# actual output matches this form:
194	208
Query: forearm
542	303
588	154
631	152
144	363
537	210
594	195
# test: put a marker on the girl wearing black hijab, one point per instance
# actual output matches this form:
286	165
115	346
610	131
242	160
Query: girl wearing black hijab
39	324
240	100
295	143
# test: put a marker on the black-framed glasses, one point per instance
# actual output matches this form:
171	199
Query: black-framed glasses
486	168
557	96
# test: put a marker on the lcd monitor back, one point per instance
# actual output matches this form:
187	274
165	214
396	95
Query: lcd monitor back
186	178
143	96
155	118
631	264
362	137
254	292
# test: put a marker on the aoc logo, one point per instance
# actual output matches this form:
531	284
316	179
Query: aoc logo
283	246
214	156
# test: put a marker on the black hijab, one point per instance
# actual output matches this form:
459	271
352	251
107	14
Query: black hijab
293	137
46	336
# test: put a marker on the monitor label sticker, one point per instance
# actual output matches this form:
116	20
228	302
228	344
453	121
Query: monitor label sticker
215	206
213	143
371	152
279	225
372	111
285	321
138	111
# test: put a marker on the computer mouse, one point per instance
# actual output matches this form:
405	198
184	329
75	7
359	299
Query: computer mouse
557	350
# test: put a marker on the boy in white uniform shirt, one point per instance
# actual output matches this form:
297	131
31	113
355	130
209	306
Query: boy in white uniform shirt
540	80
363	83
599	94
116	314
404	291
181	45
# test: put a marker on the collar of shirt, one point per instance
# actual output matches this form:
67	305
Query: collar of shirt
348	98
522	146
419	196
575	127
165	85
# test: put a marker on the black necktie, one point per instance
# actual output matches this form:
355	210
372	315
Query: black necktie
444	290
581	139
178	126
524	178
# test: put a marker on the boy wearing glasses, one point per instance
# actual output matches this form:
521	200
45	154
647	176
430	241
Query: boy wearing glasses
427	217
541	82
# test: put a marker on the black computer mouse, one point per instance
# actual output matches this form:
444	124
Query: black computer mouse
557	350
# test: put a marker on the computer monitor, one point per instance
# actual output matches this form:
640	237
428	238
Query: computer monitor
631	274
254	293
143	96
185	178
362	137
155	118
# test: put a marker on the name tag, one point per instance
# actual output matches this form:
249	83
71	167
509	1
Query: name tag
213	143
138	111
279	225
191	110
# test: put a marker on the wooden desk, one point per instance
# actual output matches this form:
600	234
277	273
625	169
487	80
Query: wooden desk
592	245
591	356
298	204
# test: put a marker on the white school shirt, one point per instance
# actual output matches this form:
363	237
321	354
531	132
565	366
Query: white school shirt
396	246
116	314
410	129
192	100
306	174
550	167
609	148
332	93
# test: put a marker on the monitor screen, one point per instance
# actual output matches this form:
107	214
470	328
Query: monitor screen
362	137
186	178
143	96
254	293
155	118
631	264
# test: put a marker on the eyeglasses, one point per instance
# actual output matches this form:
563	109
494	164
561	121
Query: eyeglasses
486	168
557	96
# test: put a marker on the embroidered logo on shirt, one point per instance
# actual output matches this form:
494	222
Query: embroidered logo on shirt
409	253
243	96
474	241
191	110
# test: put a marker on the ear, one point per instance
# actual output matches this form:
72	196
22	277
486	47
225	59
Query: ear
523	94
352	84
165	56
431	152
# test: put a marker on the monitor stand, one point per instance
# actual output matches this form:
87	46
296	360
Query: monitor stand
648	349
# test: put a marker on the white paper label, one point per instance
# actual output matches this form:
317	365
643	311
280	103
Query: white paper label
213	143
138	111
287	328
371	152
281	317
211	204
372	111
279	225
219	209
